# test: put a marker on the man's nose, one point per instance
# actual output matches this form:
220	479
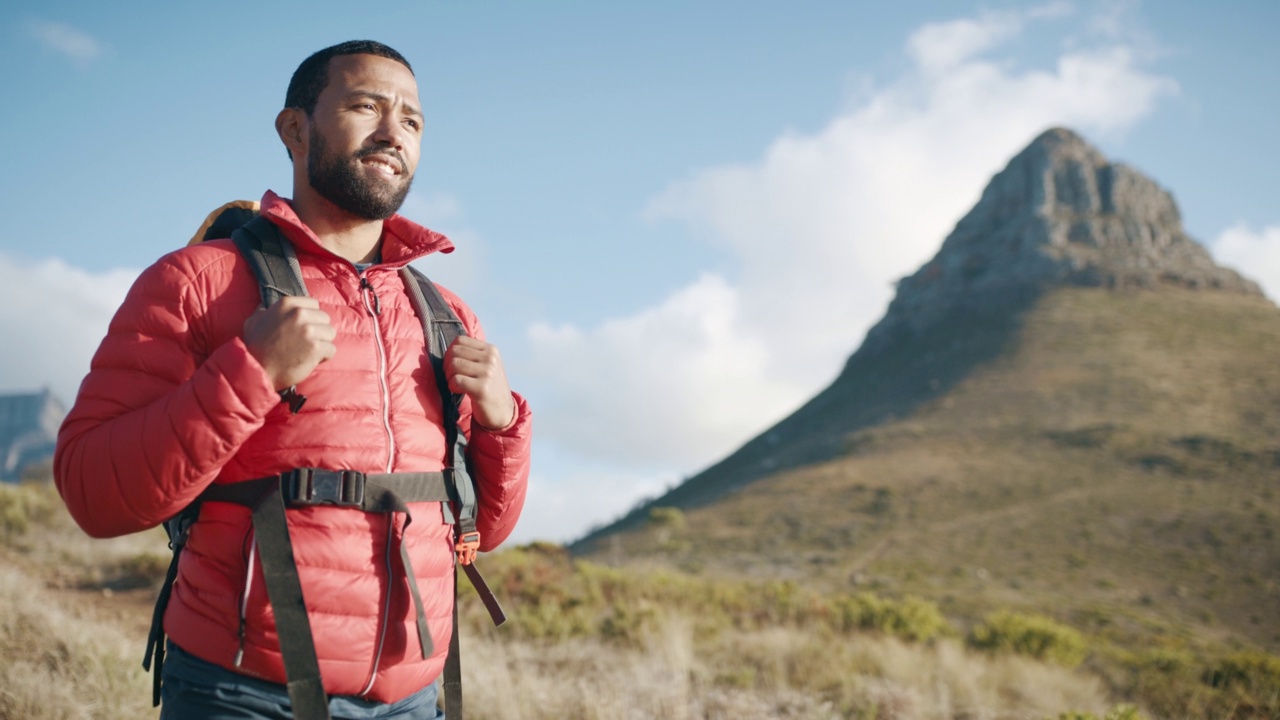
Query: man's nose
390	132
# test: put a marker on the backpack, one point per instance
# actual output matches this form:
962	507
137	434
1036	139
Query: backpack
274	264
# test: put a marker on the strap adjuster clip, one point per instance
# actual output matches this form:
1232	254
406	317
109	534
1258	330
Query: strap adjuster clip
312	486
468	545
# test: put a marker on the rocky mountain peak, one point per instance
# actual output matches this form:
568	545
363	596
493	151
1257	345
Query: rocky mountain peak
1059	214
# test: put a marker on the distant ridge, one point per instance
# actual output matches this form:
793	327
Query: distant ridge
28	431
1058	215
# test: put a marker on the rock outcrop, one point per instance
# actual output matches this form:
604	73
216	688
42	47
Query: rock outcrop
1058	214
28	431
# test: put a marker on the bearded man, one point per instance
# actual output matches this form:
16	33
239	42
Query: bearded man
185	395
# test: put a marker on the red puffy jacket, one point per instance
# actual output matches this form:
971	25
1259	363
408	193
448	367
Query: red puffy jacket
174	401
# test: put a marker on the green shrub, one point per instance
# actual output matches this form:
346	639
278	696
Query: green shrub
1032	635
22	506
666	517
1251	674
627	625
911	619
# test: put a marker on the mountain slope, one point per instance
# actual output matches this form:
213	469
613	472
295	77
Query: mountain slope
1069	407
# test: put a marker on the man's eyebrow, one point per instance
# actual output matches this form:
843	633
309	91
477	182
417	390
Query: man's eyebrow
379	97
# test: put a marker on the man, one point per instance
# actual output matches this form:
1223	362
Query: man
186	392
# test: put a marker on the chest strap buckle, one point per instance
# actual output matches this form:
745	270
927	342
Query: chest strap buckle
312	486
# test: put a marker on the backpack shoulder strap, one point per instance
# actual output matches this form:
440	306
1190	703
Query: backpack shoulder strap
445	325
441	326
272	259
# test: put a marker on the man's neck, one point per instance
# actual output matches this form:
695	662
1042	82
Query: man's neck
353	238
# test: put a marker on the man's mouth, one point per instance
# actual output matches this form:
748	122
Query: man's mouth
383	163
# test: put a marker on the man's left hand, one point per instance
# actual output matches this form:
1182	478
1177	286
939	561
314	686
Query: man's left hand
474	368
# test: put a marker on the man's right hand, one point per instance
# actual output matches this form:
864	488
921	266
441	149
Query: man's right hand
289	339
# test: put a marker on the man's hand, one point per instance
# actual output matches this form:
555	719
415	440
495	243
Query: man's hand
473	367
289	339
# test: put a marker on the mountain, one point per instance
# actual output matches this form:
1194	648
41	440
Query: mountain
1070	406
28	431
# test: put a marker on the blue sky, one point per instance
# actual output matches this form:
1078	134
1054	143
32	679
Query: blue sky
677	219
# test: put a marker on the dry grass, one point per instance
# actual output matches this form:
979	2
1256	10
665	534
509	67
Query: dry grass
639	647
779	673
56	664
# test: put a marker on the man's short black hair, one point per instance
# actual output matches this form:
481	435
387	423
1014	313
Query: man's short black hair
311	77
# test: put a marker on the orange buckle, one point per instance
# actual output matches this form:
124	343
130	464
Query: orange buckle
467	547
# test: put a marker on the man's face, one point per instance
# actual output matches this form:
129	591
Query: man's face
365	136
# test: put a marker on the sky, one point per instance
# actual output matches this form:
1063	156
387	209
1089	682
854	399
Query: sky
676	220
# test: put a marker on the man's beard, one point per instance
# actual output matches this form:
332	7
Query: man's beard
339	180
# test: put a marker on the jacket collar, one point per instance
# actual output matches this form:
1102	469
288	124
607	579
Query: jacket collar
402	239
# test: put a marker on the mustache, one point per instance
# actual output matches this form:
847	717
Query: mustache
392	152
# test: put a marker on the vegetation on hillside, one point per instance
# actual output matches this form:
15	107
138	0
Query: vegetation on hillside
1112	463
590	641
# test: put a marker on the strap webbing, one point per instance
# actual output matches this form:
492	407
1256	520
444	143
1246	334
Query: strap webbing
486	595
177	528
453	664
272	259
266	497
293	627
155	639
441	326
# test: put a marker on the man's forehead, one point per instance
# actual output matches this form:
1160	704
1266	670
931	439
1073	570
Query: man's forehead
355	73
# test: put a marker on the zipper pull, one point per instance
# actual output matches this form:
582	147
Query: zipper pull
377	305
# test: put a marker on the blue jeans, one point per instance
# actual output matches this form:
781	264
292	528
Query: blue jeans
197	690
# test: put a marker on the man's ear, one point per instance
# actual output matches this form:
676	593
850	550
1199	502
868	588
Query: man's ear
291	125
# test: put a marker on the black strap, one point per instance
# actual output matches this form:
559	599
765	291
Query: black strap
272	259
177	528
268	498
293	627
453	664
441	327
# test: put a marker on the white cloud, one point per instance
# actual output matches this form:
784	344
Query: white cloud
66	40
941	46
666	383
54	316
819	228
559	510
1256	254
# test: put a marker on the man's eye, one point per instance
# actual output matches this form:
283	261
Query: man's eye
413	124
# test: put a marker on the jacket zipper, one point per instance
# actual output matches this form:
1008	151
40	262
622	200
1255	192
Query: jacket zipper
386	609
375	311
244	598
374	307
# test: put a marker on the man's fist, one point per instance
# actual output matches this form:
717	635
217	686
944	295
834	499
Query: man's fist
289	339
474	368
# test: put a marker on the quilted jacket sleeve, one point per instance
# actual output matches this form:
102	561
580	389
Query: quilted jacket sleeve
499	459
159	413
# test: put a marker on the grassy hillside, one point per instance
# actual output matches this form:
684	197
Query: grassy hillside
584	641
1108	457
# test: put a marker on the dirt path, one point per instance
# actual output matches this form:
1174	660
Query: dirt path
129	610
